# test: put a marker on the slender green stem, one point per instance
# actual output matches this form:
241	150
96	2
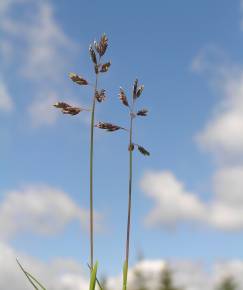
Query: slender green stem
91	177
129	202
129	192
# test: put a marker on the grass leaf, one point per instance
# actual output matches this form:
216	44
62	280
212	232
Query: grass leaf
97	280
27	276
31	278
93	277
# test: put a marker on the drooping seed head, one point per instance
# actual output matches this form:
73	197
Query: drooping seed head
143	112
143	151
92	54
61	105
105	67
108	126
71	111
123	97
67	109
78	79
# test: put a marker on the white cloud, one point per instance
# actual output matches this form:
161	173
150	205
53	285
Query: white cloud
39	49
229	180
150	270
223	132
59	274
173	204
39	209
46	46
43	112
67	274
182	274
210	59
6	102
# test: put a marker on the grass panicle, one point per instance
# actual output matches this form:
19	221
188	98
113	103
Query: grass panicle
136	93
98	96
97	50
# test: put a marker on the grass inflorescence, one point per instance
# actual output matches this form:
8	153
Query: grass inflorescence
97	50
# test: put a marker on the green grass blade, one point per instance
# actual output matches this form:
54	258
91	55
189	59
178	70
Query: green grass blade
27	276
36	281
31	278
93	277
125	269
97	280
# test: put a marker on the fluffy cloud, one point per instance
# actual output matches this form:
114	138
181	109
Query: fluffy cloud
46	46
39	209
150	270
64	274
222	136
67	274
174	204
59	274
182	274
172	201
223	132
37	46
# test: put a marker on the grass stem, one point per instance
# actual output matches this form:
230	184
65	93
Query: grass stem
129	199
91	177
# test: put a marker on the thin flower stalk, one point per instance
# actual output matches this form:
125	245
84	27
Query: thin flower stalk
91	176
97	51
109	127
136	93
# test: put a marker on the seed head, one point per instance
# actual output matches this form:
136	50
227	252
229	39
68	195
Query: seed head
102	45
143	151
105	67
92	54
135	85
78	79
131	147
100	95
108	126
142	112
61	105
123	98
71	111
139	91
67	109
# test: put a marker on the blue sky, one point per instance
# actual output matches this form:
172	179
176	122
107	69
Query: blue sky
187	201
